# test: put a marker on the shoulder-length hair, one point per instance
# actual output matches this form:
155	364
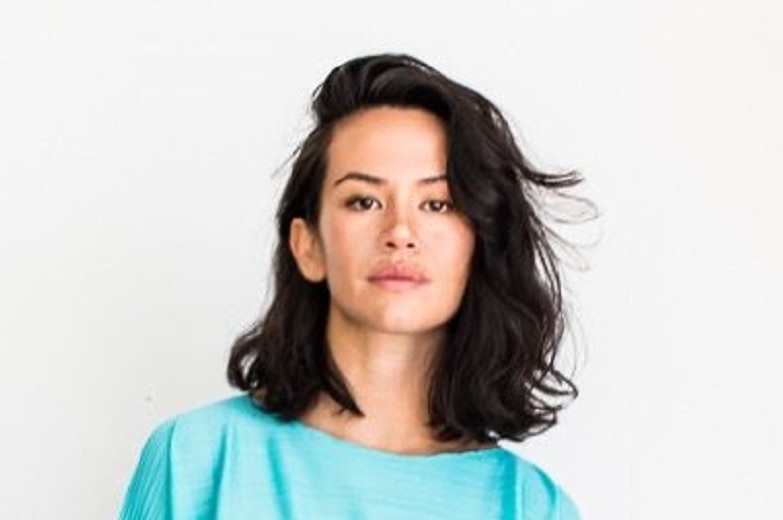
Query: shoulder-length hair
495	376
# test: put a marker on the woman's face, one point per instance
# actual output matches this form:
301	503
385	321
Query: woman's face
394	252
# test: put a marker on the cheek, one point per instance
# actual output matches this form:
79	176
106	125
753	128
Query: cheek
454	242
466	254
343	246
468	241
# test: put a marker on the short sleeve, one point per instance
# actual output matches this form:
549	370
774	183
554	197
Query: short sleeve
149	493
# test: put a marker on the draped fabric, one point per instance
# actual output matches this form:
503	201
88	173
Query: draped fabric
231	460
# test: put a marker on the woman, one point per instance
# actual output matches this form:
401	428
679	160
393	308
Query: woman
415	322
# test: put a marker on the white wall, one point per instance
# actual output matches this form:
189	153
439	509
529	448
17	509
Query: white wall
138	140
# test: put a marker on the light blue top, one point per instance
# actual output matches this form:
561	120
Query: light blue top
231	460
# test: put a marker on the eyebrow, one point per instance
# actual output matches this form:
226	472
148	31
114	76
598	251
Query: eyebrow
378	181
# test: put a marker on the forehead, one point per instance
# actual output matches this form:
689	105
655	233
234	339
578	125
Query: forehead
389	142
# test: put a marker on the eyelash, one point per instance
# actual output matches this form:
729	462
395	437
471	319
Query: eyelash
352	203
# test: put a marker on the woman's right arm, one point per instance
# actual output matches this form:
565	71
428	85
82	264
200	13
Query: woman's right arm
149	494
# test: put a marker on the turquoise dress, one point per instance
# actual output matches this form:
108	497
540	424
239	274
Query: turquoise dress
231	460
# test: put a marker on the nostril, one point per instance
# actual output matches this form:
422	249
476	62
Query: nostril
408	244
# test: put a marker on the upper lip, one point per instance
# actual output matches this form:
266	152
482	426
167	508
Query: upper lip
399	272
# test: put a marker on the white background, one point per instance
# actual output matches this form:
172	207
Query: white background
137	146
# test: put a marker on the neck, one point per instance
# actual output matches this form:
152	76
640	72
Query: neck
388	376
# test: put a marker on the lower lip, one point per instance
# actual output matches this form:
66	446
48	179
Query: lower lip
396	284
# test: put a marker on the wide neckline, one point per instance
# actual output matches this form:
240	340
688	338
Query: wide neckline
330	440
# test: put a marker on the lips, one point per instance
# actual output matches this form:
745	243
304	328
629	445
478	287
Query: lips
399	273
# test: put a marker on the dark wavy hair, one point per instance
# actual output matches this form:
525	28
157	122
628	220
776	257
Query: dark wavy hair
495	376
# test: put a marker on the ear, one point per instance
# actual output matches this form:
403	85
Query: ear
307	251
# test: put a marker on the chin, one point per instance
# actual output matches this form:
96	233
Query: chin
397	318
407	325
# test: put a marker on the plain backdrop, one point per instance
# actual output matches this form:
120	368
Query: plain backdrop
138	146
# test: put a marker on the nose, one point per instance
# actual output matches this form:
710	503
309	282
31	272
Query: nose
399	234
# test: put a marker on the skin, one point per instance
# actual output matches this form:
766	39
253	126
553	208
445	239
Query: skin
385	202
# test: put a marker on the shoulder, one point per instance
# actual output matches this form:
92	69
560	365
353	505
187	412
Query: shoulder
538	495
201	430
229	413
180	457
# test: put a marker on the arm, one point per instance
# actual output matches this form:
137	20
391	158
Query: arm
149	494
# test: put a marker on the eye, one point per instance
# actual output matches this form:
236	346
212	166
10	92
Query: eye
361	203
439	206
